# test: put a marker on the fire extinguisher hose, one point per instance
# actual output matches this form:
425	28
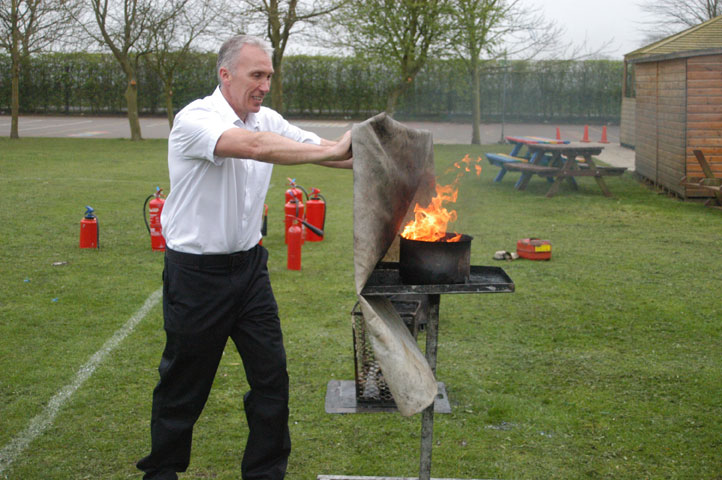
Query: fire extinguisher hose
145	212
313	228
305	193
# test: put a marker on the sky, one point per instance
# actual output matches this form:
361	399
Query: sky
612	27
598	22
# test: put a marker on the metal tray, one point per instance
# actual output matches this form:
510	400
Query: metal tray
385	280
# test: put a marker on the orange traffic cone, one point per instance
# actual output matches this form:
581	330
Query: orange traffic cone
586	134
559	135
604	135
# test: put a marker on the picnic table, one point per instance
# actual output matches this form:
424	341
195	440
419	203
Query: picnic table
556	160
517	155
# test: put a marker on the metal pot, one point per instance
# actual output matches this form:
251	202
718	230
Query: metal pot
435	263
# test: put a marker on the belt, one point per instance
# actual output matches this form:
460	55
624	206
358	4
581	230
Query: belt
212	260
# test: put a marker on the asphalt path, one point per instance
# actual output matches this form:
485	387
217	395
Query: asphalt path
442	132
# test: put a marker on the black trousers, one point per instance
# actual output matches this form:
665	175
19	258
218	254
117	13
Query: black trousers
206	300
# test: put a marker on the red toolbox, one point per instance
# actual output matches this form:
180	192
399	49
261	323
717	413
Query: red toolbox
534	249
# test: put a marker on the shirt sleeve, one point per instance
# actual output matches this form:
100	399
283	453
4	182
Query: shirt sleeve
196	132
281	126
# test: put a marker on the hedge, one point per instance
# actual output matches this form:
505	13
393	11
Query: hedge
588	91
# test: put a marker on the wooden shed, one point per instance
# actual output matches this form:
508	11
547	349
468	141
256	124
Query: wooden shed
678	107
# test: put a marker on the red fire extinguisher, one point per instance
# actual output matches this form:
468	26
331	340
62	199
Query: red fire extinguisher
294	205
295	191
155	206
315	214
295	240
293	208
89	232
294	235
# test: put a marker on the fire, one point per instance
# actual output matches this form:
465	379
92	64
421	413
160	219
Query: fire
464	166
430	223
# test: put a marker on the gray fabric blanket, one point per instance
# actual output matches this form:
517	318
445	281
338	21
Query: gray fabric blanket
393	170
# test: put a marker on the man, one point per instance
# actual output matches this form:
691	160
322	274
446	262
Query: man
215	281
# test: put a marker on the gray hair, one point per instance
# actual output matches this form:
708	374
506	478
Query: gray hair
228	54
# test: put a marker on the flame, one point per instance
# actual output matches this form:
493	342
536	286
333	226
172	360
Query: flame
464	166
429	224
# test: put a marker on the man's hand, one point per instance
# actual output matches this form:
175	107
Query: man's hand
340	151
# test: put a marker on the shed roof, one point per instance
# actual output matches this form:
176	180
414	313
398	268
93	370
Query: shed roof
702	39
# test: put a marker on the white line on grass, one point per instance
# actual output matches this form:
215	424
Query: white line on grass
43	420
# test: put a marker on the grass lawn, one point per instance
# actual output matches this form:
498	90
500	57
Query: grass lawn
605	363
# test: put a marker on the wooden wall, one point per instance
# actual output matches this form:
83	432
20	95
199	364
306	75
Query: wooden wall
626	126
660	122
645	146
671	124
704	116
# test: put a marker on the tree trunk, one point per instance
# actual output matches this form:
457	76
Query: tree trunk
278	37
131	99
277	86
393	99
476	107
15	101
15	72
405	81
169	103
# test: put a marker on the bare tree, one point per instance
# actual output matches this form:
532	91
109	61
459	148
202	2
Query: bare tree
125	27
277	20
402	34
172	40
27	27
672	16
484	30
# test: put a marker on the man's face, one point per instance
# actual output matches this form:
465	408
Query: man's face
246	86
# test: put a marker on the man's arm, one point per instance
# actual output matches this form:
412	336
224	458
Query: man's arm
273	148
348	163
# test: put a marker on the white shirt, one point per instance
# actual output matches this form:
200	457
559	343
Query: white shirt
215	203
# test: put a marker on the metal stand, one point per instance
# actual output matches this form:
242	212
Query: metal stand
384	281
427	416
341	398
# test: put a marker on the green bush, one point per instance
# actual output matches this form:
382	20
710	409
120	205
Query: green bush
588	91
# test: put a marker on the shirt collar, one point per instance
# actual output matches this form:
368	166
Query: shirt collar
229	115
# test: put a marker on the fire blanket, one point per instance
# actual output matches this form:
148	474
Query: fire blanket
393	170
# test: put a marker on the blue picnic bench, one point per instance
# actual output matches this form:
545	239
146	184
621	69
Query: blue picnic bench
502	160
510	161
